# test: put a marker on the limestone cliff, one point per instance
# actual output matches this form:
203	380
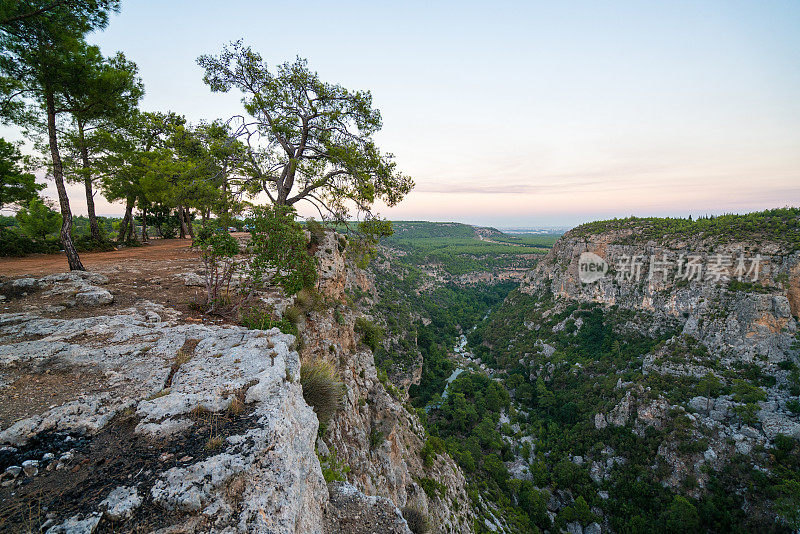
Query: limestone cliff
373	433
726	368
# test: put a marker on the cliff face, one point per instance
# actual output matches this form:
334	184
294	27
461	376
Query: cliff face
743	320
373	434
724	379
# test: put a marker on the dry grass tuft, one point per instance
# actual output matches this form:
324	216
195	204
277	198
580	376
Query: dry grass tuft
322	389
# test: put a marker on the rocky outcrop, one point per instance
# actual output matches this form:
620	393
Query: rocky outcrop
349	511
186	427
749	319
222	405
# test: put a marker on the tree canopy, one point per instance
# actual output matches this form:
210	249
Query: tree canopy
16	185
307	139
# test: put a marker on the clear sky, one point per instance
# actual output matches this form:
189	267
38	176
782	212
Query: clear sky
523	113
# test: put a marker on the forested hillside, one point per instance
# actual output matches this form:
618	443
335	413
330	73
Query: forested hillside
627	405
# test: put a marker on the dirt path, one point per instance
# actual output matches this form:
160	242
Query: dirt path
43	264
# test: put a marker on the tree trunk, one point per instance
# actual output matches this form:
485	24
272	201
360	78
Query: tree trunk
224	211
182	222
87	182
58	175
131	230
189	228
144	225
126	221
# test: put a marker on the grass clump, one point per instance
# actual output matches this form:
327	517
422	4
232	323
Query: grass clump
214	443
417	521
322	389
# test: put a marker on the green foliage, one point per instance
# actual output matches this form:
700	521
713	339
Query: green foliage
333	469
779	225
280	254
376	439
338	162
432	488
371	334
578	511
16	185
14	244
433	447
459	250
322	389
744	391
681	516
257	319
363	244
308	299
38	220
218	250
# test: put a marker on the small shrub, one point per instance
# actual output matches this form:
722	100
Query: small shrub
339	317
432	488
433	447
15	244
322	390
316	229
280	253
417	521
256	319
333	469
86	243
746	392
376	439
309	299
371	334
218	250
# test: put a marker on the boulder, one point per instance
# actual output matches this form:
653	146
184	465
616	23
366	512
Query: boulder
94	297
121	503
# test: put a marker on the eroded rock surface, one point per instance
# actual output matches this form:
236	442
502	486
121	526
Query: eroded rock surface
259	473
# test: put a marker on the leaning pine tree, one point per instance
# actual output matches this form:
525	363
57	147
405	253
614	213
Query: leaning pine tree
307	140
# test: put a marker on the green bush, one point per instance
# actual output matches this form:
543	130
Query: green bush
432	488
744	391
280	252
322	389
256	319
38	220
433	447
371	334
681	516
376	439
218	250
293	314
15	244
87	243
